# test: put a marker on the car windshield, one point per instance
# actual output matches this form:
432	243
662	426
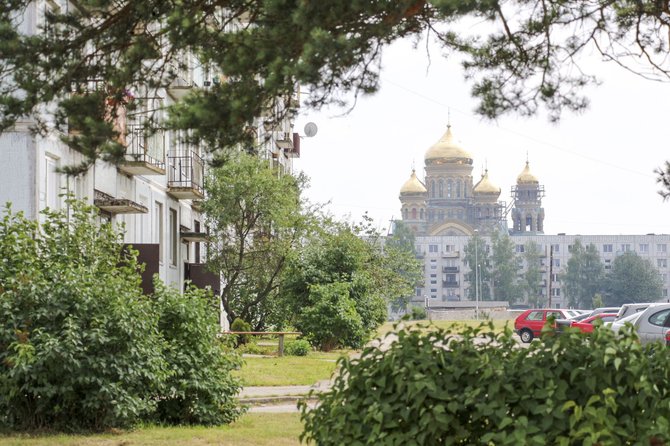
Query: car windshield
632	318
571	314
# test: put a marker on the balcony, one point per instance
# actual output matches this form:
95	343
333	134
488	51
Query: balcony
201	277
451	254
450	269
107	203
186	173
148	254
450	284
193	236
145	153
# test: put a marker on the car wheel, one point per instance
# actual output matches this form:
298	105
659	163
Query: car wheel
526	336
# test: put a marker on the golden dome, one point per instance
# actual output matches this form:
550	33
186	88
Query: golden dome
485	187
525	177
413	186
446	150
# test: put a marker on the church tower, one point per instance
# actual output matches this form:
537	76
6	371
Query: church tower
449	188
528	213
488	211
413	203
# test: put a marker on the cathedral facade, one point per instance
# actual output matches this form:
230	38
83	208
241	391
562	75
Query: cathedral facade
449	202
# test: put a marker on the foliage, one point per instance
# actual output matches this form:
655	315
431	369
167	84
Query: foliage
200	388
299	347
505	268
418	313
337	290
240	325
79	344
478	387
400	256
256	220
632	279
476	253
598	300
533	275
584	275
518	55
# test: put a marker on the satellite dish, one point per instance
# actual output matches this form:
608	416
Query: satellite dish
310	129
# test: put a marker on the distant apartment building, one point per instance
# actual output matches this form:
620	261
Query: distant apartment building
446	208
156	192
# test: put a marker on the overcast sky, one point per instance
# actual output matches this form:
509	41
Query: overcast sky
596	167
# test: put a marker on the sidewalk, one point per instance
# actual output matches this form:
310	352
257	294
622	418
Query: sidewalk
278	399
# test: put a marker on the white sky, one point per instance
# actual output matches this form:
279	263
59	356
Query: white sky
597	167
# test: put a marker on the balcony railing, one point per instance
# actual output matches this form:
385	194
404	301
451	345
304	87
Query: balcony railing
145	152
450	284
450	269
186	173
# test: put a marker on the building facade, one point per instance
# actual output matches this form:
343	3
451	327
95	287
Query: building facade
446	208
156	192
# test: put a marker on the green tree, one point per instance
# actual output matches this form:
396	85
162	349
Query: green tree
477	253
523	56
406	270
533	275
505	268
341	268
632	279
584	275
256	220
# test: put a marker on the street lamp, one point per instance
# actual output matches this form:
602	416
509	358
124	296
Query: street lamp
476	276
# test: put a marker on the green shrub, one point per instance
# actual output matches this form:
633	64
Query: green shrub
79	345
299	347
200	388
240	325
441	388
332	319
419	313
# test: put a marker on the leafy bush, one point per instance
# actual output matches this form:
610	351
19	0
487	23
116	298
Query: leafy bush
331	319
440	387
79	348
299	347
240	325
200	388
418	313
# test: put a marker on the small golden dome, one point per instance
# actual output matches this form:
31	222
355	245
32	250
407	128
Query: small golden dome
446	150
413	186
525	177
485	187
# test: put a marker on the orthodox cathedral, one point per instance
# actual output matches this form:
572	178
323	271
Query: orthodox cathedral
449	202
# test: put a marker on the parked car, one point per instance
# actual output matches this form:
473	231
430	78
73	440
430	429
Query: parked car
618	323
586	325
653	323
561	324
628	309
529	323
614	310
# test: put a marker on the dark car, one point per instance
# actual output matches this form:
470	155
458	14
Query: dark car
529	323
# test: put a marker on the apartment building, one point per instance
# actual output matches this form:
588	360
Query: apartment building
155	193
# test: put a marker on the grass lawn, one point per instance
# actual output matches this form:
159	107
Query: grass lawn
253	429
289	370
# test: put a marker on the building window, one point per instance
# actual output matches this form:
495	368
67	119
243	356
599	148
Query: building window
433	290
555	292
661	247
432	248
644	247
557	263
440	191
520	248
665	292
450	191
607	248
432	188
158	228
625	247
433	282
173	238
662	263
458	189
421	214
413	213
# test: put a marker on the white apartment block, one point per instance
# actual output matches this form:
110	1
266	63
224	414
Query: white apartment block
445	268
155	193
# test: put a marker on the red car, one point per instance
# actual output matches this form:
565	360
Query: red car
586	325
529	323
